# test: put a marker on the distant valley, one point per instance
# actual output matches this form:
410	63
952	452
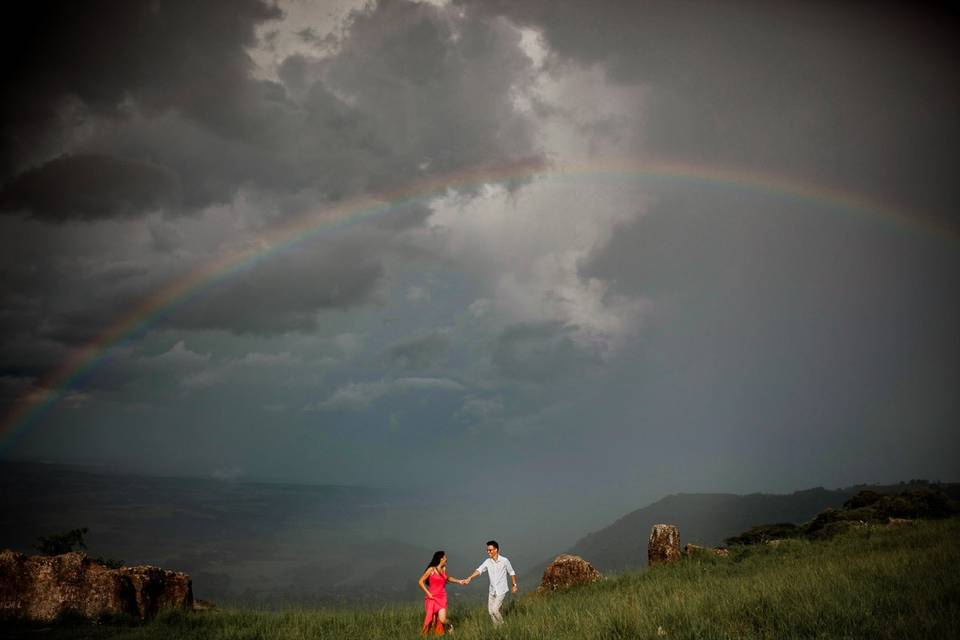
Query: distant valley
274	544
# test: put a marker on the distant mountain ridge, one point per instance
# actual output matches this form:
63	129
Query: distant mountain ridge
708	518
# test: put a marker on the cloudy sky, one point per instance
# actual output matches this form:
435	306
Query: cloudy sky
607	335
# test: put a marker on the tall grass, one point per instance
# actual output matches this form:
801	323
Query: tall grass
872	582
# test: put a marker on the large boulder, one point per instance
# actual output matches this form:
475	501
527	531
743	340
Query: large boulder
567	571
45	587
664	545
899	523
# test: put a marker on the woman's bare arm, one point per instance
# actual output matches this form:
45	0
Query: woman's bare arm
426	574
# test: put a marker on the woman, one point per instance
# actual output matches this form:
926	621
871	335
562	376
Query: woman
435	601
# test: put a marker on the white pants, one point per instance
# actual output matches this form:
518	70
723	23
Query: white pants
493	606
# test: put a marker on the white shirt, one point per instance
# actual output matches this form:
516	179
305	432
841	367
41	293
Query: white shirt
497	572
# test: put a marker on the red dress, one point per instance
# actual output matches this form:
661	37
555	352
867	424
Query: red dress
437	584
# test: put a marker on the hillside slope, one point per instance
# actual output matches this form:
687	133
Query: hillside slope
708	518
872	582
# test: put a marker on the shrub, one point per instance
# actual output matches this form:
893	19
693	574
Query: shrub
864	498
58	543
865	506
762	533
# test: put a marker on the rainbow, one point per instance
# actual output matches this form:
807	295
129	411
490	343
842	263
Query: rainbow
137	320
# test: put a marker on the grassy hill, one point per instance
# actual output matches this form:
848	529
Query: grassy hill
709	518
871	582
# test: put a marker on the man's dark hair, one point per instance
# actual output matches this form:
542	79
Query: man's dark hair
493	543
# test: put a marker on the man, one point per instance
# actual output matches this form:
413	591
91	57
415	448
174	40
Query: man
497	568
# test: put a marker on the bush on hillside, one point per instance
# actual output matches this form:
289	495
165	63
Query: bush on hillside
921	503
73	540
865	507
864	498
762	533
824	524
57	543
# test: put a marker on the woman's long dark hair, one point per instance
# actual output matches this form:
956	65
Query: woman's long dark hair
437	557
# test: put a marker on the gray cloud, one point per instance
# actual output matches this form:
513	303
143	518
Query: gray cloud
356	396
160	55
91	186
767	327
848	94
284	292
164	113
440	92
749	340
420	352
541	352
407	95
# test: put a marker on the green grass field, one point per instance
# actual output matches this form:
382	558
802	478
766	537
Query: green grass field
872	582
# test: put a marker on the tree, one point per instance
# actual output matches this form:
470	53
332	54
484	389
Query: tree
59	543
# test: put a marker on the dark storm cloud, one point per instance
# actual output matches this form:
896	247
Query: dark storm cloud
281	294
165	238
169	85
862	95
439	91
91	186
161	55
286	292
123	108
420	352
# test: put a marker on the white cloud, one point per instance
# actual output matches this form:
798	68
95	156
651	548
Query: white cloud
178	357
283	359
349	344
418	294
355	396
442	384
480	307
480	409
526	249
201	380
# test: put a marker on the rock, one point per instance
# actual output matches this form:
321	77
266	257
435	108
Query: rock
567	571
722	553
45	587
774	543
896	523
689	549
203	605
155	589
664	544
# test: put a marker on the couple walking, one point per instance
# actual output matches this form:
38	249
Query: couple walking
497	568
